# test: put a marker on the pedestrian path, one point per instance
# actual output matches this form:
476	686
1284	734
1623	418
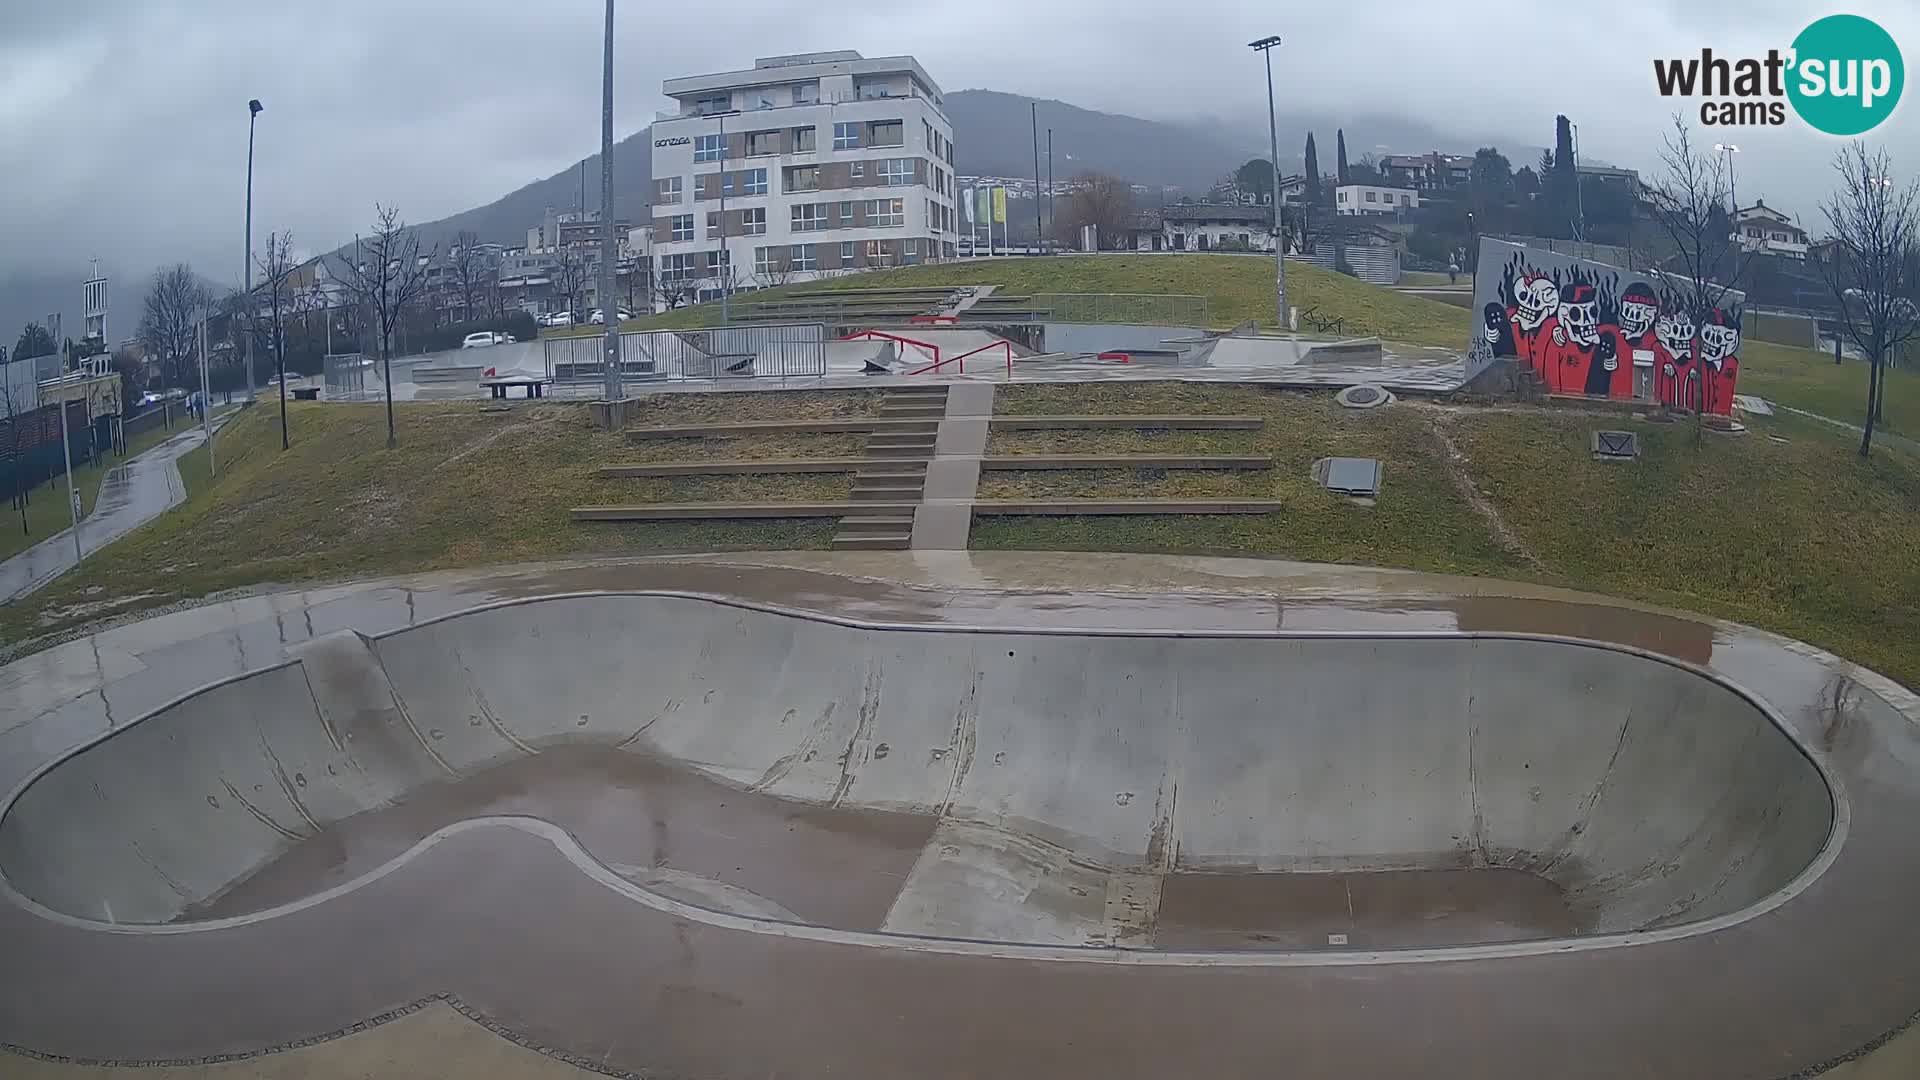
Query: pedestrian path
133	493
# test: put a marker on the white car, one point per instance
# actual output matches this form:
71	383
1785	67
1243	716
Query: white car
485	338
558	318
598	318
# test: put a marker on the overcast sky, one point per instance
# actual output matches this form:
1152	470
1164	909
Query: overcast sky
123	122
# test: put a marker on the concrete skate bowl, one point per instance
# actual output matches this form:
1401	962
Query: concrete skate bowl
1249	793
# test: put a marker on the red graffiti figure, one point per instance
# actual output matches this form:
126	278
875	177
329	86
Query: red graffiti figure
1634	340
1532	318
1574	347
1719	361
1673	381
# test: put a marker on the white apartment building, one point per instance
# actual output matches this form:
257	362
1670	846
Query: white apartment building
1371	199
825	163
1762	228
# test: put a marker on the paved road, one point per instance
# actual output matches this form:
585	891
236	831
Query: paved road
133	493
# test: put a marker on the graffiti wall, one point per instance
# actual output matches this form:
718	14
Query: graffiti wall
1588	328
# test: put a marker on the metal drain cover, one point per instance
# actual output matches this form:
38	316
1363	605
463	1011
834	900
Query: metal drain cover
1353	475
1616	445
1363	396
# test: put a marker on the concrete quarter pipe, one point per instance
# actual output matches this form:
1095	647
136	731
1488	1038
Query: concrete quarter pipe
1397	812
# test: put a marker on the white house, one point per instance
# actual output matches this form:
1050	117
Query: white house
1204	227
1762	228
1368	199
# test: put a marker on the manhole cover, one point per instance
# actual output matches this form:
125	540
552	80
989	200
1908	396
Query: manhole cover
1363	396
1353	475
1616	445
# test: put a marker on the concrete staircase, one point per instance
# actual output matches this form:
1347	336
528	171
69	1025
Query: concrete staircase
894	469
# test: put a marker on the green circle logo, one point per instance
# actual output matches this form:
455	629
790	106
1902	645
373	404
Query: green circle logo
1846	76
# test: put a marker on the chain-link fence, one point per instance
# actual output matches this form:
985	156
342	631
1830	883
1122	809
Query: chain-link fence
1155	309
779	351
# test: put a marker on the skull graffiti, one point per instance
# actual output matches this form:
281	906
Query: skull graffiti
1675	331
1579	316
1719	337
1638	309
1537	299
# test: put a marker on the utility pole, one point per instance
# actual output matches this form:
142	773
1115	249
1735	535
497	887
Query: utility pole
1050	206
1265	47
1039	230
66	448
609	309
254	109
206	394
725	265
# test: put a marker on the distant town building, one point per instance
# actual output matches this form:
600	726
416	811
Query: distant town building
1360	199
825	162
1628	179
1203	227
94	297
1424	172
1762	228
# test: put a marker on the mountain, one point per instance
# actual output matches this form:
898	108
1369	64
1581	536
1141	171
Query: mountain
993	136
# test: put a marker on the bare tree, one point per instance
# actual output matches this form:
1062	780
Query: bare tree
1876	224
275	286
170	320
1686	203
386	276
1100	200
776	271
471	274
570	281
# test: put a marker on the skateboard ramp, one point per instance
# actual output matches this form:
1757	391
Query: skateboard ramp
1129	790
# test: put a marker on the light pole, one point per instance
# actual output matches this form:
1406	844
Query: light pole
254	108
66	446
1265	47
724	267
609	308
1729	149
1579	203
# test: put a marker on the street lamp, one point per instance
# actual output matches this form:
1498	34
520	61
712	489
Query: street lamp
1265	47
254	109
612	377
1729	149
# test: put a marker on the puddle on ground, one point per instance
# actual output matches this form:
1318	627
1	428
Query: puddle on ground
705	842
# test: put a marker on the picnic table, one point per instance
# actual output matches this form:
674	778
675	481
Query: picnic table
500	384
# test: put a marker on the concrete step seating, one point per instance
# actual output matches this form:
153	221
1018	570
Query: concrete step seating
896	472
1081	507
1139	423
723	511
914	469
832	426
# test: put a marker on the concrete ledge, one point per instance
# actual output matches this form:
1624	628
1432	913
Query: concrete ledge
726	511
1079	507
1022	462
1181	423
1613	405
736	467
782	427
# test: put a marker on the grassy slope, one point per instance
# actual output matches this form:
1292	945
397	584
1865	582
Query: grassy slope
1237	288
47	508
1812	381
1799	537
465	486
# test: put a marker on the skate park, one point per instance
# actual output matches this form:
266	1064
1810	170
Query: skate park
1099	806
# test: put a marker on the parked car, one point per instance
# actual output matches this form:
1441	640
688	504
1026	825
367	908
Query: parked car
598	318
558	318
485	338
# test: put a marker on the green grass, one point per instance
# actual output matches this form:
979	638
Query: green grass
465	486
1811	380
1237	289
47	506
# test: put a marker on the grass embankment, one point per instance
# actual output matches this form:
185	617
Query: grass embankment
47	506
1800	537
1237	288
1810	380
468	484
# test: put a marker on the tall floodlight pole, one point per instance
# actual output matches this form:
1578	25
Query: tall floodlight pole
725	265
609	310
1265	47
254	108
1050	207
1039	230
66	448
206	394
1734	219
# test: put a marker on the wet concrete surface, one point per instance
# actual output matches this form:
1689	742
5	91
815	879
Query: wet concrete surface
503	919
1386	909
827	866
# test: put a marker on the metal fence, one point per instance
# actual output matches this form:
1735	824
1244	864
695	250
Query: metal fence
770	350
345	373
1156	309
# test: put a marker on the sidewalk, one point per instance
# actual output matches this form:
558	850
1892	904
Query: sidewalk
132	493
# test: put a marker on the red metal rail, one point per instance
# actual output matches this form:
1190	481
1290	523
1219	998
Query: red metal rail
869	335
1007	345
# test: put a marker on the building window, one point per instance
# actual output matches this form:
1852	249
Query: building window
683	227
708	147
913	251
713	103
809	217
806	93
753	182
676	267
801	178
800	257
846	253
1403	199
846	136
885	213
1370	196
846	214
667	190
879	253
1343	196
763	143
857	170
713	225
896	170
753	222
886	133
803	140
765	261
